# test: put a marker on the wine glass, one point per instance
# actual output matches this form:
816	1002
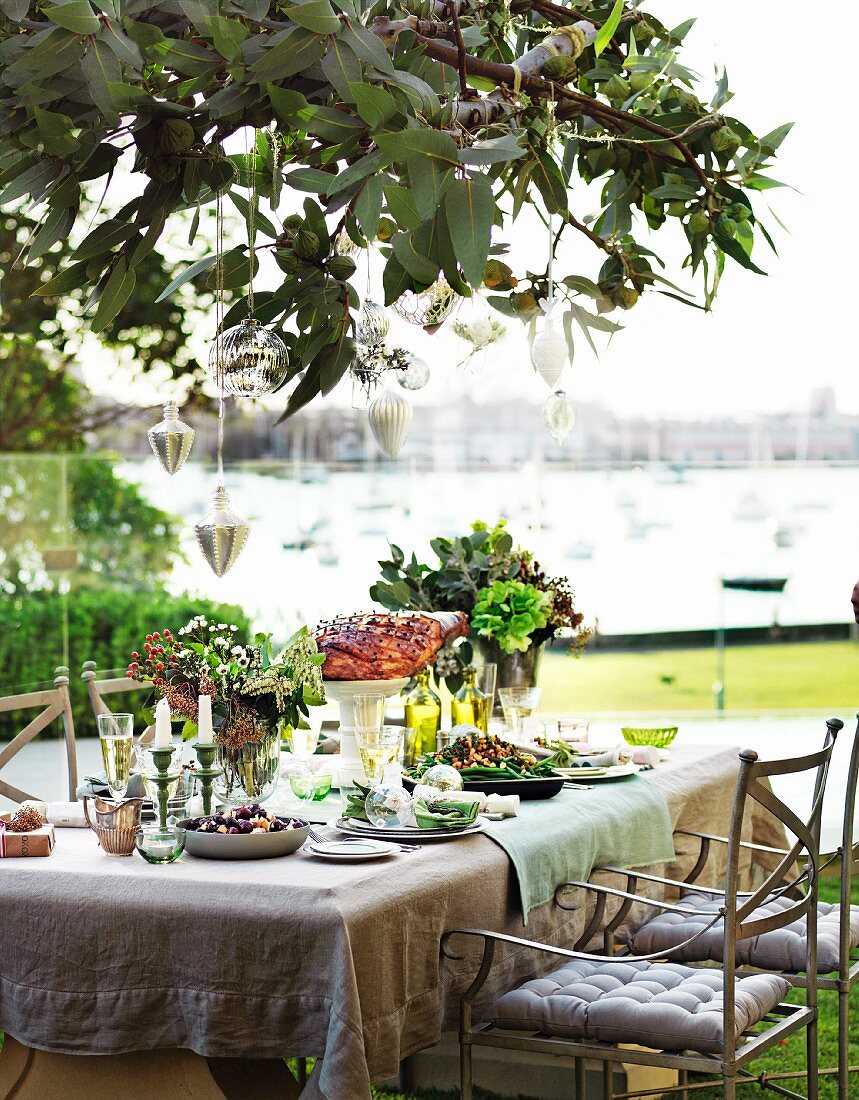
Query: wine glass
378	749
368	711
115	732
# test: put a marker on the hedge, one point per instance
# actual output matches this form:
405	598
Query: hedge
103	626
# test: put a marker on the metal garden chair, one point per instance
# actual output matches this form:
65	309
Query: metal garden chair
692	1020
53	703
783	949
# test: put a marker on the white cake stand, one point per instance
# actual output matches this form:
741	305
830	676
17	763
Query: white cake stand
343	692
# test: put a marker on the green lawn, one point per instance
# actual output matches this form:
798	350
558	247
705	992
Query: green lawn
790	1056
801	676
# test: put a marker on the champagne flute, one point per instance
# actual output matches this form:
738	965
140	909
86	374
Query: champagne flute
115	732
368	711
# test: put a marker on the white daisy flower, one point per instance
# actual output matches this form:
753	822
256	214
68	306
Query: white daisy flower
222	670
243	662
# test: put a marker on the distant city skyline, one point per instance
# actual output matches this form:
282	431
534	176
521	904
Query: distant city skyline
768	340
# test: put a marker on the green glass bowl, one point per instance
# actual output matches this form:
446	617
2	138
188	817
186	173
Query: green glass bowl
302	785
322	787
658	736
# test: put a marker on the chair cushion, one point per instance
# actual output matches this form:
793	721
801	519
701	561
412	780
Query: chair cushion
781	949
659	1005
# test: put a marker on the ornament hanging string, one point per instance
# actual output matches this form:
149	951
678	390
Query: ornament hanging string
219	324
252	162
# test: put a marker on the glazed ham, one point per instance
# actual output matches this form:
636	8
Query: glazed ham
385	645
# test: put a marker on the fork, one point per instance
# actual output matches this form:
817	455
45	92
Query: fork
318	838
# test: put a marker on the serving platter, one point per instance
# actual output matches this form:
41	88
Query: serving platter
534	787
411	835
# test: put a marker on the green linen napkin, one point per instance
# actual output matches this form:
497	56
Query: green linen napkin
355	803
445	815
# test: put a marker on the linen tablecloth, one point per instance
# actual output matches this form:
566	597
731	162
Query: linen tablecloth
278	958
624	822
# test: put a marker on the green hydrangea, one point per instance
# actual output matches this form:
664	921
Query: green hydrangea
509	612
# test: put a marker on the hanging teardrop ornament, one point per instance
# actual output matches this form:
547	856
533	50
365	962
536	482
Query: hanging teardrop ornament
171	440
249	358
373	323
415	374
221	533
549	353
559	416
390	416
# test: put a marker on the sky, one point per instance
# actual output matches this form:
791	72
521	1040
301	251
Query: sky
769	340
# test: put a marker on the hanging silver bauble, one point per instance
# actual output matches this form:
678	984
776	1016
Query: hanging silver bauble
430	308
171	440
250	358
373	323
221	533
549	353
415	374
390	416
559	416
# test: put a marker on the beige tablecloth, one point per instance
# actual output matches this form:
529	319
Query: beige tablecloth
281	957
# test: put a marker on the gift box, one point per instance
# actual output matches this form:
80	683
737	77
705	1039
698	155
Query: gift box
38	842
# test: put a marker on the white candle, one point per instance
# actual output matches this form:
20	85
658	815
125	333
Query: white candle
162	725
205	734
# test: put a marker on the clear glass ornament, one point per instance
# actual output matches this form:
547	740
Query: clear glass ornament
389	807
443	777
366	373
559	416
415	374
430	308
390	416
249	358
373	323
221	533
171	440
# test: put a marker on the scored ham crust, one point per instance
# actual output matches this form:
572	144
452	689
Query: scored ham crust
385	645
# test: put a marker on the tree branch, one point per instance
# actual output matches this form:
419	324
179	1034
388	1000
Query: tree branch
460	51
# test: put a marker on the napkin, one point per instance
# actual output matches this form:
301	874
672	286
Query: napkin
355	803
444	815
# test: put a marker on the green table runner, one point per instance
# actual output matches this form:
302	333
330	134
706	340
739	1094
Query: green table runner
624	822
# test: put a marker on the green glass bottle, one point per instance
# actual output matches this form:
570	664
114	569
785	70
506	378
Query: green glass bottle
470	706
423	714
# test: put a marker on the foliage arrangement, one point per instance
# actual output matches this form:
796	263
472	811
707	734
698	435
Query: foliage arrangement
251	688
510	613
497	584
422	128
103	626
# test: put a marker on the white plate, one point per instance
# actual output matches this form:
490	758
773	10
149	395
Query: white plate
410	835
351	850
585	775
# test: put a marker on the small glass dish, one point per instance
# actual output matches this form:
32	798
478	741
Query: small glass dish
661	737
158	845
309	787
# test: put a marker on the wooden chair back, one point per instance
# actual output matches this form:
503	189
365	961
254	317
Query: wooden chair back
111	685
52	703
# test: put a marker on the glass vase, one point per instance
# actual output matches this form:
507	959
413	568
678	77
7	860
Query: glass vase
251	769
513	669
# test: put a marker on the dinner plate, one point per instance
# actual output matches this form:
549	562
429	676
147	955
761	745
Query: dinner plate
411	835
585	775
351	850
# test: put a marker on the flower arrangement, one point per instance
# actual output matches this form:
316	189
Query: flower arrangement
251	688
474	575
510	612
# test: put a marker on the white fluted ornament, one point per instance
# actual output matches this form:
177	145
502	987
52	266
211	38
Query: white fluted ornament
221	533
559	416
373	323
390	416
249	358
549	353
171	440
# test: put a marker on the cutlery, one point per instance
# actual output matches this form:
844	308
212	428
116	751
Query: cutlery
318	838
